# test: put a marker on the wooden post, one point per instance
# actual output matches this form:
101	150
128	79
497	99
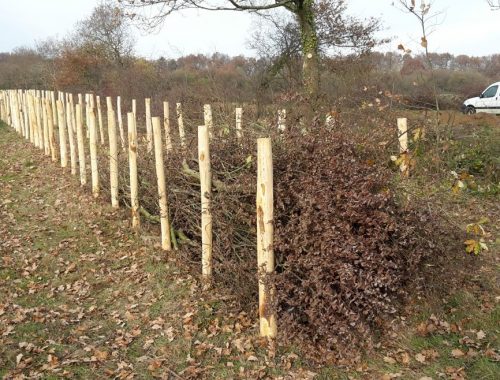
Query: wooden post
403	146
81	145
180	122
403	134
71	137
113	154
54	108
132	157
282	120
62	134
50	123
93	153
46	137
207	118
206	189
265	230
120	120
166	126
39	122
239	121
149	132
99	117
134	109
162	188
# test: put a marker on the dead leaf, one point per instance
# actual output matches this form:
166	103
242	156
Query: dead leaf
456	353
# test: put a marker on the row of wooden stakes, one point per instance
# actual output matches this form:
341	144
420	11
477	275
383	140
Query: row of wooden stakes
35	115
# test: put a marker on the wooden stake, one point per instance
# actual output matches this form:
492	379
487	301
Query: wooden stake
265	231
120	120
134	109
62	134
81	145
52	139
166	126
162	188
46	138
403	134
206	189
282	120
207	118
132	157
180	122
99	117
113	154
239	120
93	153
149	132
71	136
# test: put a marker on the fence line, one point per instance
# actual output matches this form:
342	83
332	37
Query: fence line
35	115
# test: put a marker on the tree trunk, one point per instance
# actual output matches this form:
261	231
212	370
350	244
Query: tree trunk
310	68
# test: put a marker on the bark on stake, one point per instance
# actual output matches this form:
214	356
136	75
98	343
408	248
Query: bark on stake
93	152
166	126
403	145
207	118
282	120
239	120
71	136
52	139
46	137
149	131
132	157
403	134
162	188
206	214
81	145
113	154
120	120
99	117
180	122
62	134
265	230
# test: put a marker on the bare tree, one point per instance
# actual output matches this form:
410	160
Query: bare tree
427	22
494	4
153	13
107	28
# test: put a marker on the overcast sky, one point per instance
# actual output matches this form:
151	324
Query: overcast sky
467	27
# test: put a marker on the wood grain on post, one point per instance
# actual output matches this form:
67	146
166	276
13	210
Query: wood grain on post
120	120
62	134
265	231
162	188
282	120
207	119
39	122
239	121
46	137
99	117
403	134
206	190
132	158
52	138
166	126
81	145
180	122
149	131
71	137
113	154
93	152
54	108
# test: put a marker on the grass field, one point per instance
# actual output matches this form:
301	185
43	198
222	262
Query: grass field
83	297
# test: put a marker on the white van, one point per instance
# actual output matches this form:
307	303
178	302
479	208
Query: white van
488	101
